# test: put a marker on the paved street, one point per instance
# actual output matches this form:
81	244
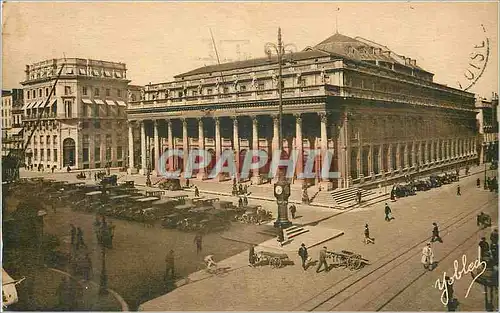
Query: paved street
258	288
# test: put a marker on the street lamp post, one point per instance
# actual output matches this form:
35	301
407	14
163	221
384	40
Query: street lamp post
282	186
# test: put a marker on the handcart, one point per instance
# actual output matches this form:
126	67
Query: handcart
348	259
275	260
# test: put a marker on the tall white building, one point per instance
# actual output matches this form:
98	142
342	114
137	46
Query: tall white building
83	123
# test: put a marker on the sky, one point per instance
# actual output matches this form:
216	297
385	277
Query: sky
158	40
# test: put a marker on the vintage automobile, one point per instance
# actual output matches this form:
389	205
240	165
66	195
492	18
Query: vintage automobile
422	184
170	184
404	190
452	176
435	182
443	178
255	214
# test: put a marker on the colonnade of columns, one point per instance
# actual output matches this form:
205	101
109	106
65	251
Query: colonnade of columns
410	155
218	141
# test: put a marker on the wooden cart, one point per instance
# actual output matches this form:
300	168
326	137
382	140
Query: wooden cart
347	259
275	260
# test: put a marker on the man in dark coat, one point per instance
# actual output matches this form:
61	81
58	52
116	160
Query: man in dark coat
303	255
458	191
387	213
73	234
484	248
196	191
169	265
198	239
251	255
435	234
322	260
478	182
293	210
368	239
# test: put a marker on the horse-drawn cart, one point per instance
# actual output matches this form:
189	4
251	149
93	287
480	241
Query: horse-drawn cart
275	260
347	259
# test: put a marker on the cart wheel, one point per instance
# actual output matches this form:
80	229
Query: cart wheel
275	262
355	262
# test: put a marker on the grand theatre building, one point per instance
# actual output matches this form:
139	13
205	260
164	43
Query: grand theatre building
380	114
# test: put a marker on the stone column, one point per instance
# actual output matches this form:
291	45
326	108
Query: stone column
299	145
255	146
443	150
345	154
370	162
185	144
432	151
131	163
390	166
397	166
420	153
143	149
381	168
170	140
236	147
452	149
406	158
218	146
324	142
156	146
201	147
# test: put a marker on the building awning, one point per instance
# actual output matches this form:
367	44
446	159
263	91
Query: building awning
26	105
110	102
121	103
39	104
83	71
53	102
98	101
15	130
107	74
31	104
87	101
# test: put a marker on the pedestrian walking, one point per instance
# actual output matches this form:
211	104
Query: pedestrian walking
245	201
494	237
73	234
358	196
435	234
240	202
388	212
169	266
198	241
458	191
478	182
196	191
251	255
322	260
305	196
97	228
240	189
484	248
368	239
427	257
304	255
79	238
187	182
245	189
393	194
293	210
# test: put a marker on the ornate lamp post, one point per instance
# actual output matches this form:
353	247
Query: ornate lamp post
282	186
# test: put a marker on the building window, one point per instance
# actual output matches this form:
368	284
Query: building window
67	90
48	154
34	94
180	94
119	93
35	154
28	95
97	154
95	110
85	154
260	86
302	82
225	90
209	91
97	124
42	156
55	155
84	91
243	88
119	152
40	93
55	140
195	93
68	106
46	92
85	110
96	91
108	92
41	140
48	139
85	139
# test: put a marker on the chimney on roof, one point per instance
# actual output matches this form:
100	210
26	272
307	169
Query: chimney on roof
387	53
376	50
413	62
407	61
